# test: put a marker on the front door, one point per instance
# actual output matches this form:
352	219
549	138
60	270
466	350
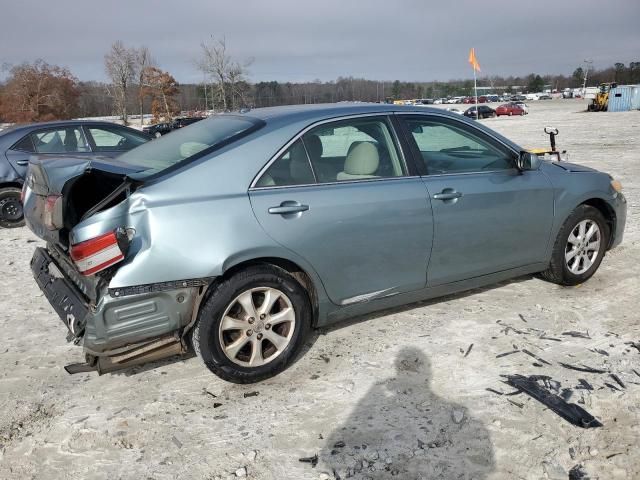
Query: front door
341	198
488	216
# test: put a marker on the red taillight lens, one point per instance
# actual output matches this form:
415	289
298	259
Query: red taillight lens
53	212
97	254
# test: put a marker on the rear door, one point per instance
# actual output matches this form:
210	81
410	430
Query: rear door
342	198
47	142
488	216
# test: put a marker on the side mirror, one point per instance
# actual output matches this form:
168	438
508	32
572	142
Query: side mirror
527	161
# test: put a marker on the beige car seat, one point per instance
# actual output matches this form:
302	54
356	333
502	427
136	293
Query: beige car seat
362	162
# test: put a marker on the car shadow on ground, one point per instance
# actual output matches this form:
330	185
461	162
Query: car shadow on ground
401	429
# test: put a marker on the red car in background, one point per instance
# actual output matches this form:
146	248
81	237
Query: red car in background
510	109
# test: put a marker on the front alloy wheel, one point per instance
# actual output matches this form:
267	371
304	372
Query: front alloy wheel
583	247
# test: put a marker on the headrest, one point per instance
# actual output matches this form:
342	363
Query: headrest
363	159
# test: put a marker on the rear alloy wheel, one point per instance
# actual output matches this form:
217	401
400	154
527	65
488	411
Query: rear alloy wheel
158	134
11	215
253	324
579	247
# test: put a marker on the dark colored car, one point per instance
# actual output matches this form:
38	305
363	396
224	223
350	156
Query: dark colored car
483	111
158	129
185	121
509	109
70	138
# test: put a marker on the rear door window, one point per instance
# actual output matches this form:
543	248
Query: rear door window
108	139
60	140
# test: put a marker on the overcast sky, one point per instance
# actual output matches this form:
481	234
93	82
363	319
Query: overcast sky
298	40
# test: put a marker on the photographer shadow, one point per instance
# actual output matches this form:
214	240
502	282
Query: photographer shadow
401	429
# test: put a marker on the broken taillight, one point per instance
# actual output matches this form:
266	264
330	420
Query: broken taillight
53	212
98	253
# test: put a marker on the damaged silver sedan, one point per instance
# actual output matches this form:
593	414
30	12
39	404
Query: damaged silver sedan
239	234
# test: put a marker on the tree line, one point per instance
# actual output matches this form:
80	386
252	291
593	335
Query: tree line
39	91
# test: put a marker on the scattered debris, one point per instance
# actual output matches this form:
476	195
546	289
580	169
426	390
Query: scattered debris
573	333
177	442
251	394
617	379
217	404
582	368
600	351
325	358
312	460
569	411
635	345
500	355
544	337
584	384
207	392
489	389
468	350
614	455
458	416
535	356
578	473
339	444
522	317
612	387
635	371
517	404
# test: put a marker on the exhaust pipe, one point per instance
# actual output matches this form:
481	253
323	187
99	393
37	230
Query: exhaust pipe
158	349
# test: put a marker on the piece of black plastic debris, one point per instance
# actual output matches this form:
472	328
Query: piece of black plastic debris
544	337
251	394
524	350
517	404
468	350
584	384
614	455
339	444
617	379
573	333
635	345
571	412
522	317
635	371
325	358
578	473
176	442
539	436
582	368
312	460
600	351
536	364
207	392
216	405
489	389
500	355
566	393
612	387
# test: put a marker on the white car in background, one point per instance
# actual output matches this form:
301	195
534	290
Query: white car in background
523	106
532	96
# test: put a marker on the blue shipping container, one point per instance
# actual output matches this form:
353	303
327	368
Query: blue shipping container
624	98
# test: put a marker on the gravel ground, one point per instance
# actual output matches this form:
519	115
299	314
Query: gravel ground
400	395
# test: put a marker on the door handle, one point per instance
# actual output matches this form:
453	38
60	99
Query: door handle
23	162
447	195
288	207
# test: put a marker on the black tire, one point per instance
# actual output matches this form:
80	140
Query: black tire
205	334
558	271
11	215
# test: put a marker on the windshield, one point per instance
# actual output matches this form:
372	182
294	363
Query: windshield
188	143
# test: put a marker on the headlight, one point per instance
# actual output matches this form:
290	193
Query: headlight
616	185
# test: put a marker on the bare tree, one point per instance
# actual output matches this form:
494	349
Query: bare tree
226	74
143	61
120	65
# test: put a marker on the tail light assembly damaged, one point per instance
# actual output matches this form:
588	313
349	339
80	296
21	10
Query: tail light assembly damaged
100	253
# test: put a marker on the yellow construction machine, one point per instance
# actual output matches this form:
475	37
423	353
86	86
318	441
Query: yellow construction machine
601	102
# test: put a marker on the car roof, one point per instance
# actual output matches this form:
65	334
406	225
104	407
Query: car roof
61	123
317	112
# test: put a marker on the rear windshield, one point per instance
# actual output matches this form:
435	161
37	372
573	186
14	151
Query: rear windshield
188	143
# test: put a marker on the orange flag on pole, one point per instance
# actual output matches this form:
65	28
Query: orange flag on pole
473	61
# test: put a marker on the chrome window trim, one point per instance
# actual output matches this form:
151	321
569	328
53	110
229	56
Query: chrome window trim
300	134
331	184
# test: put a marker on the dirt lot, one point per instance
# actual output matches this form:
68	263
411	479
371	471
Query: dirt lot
402	390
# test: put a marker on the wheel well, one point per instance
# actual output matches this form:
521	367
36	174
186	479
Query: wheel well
11	184
292	268
607	211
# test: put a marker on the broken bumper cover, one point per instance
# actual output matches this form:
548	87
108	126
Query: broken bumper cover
61	293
